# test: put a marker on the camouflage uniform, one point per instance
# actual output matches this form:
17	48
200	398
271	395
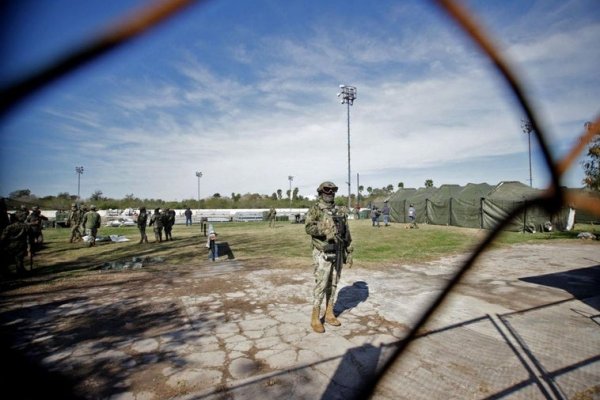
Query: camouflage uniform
74	219
142	221
271	216
22	213
91	223
34	220
157	220
326	225
14	241
168	222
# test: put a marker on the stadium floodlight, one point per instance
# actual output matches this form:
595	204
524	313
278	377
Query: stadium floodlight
527	128
348	94
79	171
199	175
290	178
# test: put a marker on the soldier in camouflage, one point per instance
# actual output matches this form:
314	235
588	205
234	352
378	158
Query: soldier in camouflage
156	220
91	223
168	222
74	219
271	216
14	240
34	220
142	221
328	227
22	213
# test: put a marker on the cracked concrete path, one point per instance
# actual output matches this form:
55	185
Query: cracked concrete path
523	324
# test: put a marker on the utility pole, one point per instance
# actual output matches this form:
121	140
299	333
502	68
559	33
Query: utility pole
527	128
79	171
290	178
199	175
348	94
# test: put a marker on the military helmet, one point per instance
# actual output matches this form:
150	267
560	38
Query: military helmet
327	186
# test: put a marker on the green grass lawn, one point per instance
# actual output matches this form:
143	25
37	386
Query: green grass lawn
285	245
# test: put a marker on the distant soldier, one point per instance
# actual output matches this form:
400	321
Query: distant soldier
91	223
13	242
34	220
74	219
188	216
157	221
168	222
272	217
142	221
331	239
22	213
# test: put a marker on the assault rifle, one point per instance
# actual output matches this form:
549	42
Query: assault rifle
342	241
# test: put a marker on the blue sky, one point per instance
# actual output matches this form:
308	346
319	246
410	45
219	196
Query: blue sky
245	92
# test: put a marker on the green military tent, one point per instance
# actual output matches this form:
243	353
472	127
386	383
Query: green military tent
473	206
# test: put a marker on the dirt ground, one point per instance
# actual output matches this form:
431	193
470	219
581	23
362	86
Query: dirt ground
240	329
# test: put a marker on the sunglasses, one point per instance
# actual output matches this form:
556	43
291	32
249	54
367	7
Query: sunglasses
329	190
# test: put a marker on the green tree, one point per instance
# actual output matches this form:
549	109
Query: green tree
369	190
400	185
279	193
429	183
591	165
17	194
390	188
97	195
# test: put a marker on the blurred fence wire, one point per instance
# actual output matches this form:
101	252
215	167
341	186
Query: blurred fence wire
552	199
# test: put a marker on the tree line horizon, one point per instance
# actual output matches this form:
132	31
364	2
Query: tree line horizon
278	199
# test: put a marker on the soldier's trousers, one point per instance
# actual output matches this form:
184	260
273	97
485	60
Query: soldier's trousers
326	278
75	232
92	233
158	233
143	236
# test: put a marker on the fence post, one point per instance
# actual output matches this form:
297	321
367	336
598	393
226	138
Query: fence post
450	212
481	200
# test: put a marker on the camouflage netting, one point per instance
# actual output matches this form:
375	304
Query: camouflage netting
479	206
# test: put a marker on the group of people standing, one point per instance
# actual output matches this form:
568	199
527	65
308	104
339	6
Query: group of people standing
160	222
20	235
86	218
385	211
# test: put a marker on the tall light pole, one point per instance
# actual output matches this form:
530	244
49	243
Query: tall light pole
348	94
527	128
199	175
290	178
79	171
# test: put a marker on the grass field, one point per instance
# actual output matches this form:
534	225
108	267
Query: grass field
285	245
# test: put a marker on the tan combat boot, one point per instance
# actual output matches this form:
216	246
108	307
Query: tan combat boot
330	316
315	321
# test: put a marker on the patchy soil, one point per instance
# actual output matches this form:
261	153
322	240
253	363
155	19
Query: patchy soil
212	330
